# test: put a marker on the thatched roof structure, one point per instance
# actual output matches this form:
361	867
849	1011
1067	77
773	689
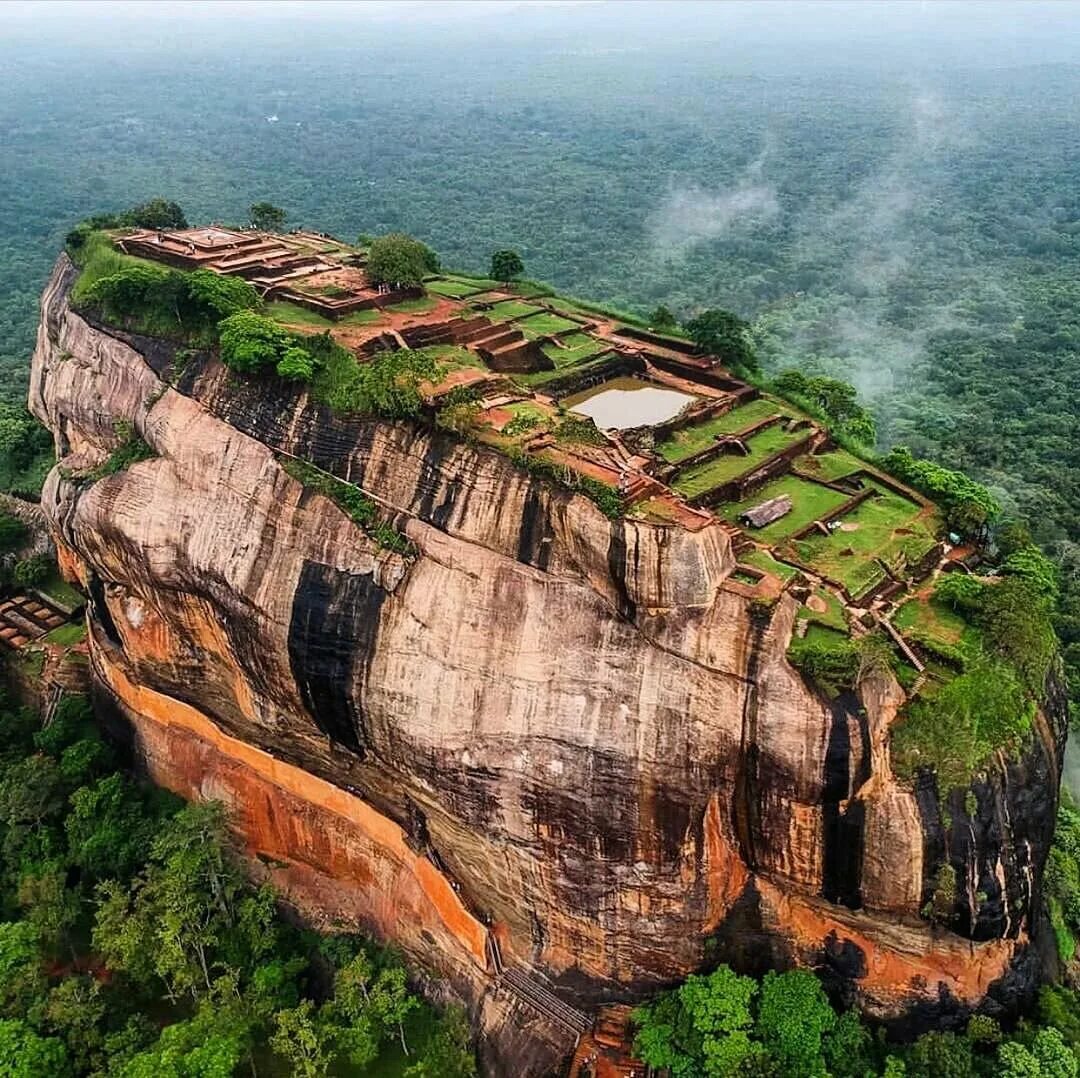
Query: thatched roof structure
767	512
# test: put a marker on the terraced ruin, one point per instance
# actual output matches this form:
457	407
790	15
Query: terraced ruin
674	433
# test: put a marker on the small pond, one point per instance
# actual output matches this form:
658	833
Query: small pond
627	402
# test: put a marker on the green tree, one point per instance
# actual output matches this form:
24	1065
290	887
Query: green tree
76	1011
793	1017
250	342
210	1044
108	830
296	364
157	213
303	1041
506	266
266	217
723	334
447	1053
22	979
849	1048
662	318
32	571
1047	1057
13	532
26	1054
214	296
399	260
941	1055
389	384
390	1002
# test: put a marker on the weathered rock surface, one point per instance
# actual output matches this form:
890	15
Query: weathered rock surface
575	731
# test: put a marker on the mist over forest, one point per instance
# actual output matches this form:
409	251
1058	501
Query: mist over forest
889	191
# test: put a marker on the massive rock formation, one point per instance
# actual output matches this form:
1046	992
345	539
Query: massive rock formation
576	736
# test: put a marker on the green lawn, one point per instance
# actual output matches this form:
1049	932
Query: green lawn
848	554
934	621
362	317
831	465
293	314
579	346
456	288
809	502
414	306
832	616
545	324
702	477
66	635
763	560
452	356
822	634
685	443
59	590
510	308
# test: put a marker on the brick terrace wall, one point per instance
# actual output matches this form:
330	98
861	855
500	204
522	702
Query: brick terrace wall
578	381
737	489
699	373
337	308
721	446
687	348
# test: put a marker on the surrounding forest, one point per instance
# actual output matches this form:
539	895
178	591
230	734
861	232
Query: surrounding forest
910	226
906	222
131	943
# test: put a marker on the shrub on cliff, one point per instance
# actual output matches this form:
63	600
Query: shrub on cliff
969	506
251	343
957	730
161	301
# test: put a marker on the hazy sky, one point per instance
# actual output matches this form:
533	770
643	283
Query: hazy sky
924	32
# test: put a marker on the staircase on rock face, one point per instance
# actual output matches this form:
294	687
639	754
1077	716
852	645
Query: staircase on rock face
531	991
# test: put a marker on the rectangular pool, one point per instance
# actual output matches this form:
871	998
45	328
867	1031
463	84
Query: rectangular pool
628	402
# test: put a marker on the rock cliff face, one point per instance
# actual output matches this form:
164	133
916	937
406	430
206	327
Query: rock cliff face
578	737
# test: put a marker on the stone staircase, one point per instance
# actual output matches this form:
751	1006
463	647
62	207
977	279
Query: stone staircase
531	991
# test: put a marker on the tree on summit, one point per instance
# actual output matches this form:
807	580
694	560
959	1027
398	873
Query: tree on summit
662	318
397	259
723	334
267	217
506	266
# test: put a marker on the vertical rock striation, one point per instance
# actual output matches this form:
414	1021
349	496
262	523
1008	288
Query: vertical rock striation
571	734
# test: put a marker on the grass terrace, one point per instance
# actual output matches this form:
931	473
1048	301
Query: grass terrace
579	347
545	324
511	308
292	314
452	356
74	632
457	287
885	528
699	478
829	466
685	443
824	608
538	379
923	618
759	558
809	502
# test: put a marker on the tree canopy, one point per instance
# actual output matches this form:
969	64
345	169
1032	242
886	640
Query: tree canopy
267	217
506	266
726	335
397	259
